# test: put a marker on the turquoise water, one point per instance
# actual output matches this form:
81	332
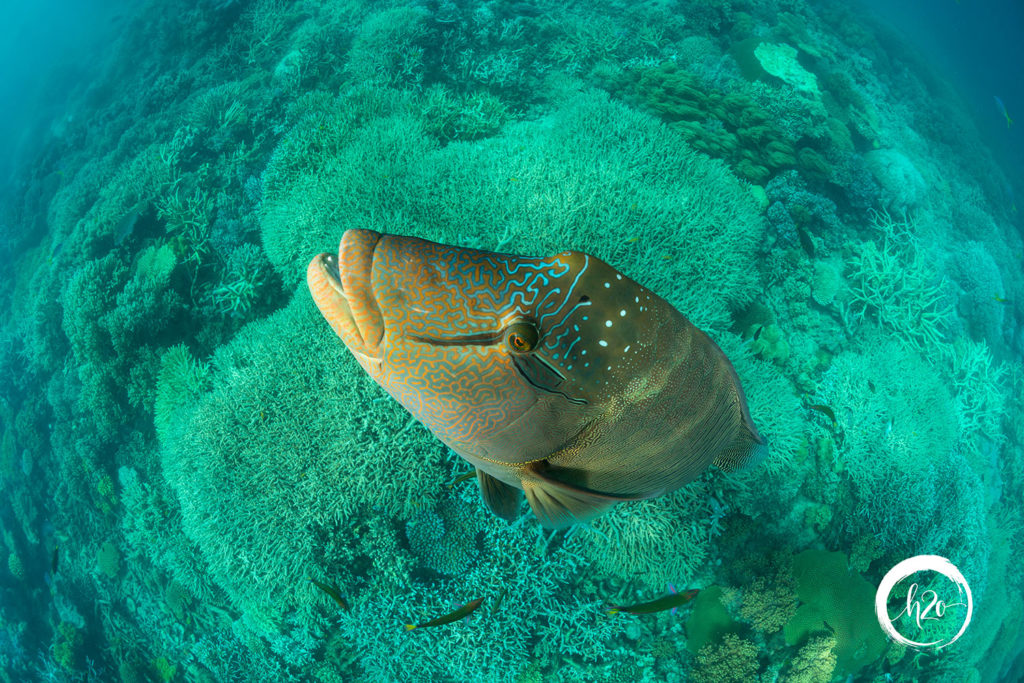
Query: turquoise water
185	443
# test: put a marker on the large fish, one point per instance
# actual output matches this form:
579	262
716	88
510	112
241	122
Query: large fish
556	376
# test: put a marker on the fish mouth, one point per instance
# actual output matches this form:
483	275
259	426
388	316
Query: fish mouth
343	290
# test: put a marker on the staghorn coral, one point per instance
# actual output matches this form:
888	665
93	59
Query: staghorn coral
898	435
895	284
657	541
272	443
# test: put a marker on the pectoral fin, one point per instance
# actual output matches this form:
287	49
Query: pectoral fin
500	498
558	504
749	449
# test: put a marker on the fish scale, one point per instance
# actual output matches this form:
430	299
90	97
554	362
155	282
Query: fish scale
555	376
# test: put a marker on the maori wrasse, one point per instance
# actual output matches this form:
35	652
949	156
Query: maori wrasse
558	376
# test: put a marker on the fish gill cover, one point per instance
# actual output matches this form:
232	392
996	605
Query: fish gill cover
201	484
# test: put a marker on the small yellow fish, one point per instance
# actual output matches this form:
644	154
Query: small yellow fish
668	602
461	478
824	410
460	613
332	591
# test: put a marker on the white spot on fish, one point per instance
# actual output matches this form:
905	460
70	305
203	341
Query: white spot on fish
607	323
618	277
636	299
627	348
602	342
622	313
607	284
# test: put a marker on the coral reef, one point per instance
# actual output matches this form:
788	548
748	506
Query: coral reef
184	443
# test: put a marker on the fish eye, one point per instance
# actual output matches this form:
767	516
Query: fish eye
522	337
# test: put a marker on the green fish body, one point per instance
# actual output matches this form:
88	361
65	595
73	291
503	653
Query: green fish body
559	377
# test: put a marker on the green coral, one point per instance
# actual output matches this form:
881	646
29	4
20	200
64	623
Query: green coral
710	620
729	126
164	670
837	600
733	660
815	662
68	649
768	605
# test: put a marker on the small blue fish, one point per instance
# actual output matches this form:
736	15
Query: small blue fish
1002	110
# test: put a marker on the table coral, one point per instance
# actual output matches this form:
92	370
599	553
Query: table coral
780	60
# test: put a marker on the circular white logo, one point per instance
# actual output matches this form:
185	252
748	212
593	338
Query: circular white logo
932	609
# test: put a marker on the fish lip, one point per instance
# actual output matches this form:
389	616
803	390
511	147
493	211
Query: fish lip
352	274
330	269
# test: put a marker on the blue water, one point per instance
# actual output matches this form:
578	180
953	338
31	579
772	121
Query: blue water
202	482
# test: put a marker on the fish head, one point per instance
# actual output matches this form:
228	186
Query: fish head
503	357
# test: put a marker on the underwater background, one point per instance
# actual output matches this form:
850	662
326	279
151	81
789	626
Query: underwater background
830	191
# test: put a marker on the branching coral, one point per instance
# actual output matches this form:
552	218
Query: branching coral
894	284
898	431
657	541
815	662
275	461
981	390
